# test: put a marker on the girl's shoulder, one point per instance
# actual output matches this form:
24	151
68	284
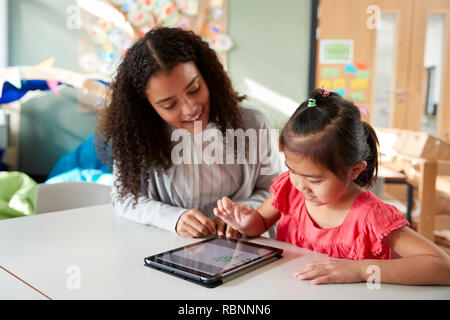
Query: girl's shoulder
380	218
285	195
370	203
282	181
373	208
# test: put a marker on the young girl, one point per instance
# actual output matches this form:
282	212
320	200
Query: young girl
321	204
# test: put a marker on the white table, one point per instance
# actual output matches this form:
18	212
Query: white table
107	252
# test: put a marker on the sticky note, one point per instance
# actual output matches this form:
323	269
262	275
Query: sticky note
338	83
361	65
350	68
325	83
330	72
340	92
362	74
359	84
357	96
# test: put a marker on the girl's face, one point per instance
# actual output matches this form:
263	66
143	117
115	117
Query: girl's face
320	186
180	97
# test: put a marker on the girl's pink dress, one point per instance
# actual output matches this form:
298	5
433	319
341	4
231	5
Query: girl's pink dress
360	236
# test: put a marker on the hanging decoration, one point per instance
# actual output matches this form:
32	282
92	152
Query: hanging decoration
105	37
16	82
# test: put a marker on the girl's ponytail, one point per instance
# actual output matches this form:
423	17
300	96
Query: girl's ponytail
369	175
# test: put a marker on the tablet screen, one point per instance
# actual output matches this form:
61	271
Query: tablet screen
215	256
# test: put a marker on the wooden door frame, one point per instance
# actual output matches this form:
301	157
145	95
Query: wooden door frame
443	111
313	47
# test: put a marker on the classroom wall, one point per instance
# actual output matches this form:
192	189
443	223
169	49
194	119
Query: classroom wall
3	33
50	126
271	49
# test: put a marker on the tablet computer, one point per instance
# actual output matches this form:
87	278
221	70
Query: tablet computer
212	261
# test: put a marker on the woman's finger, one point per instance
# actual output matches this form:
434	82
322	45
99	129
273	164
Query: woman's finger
210	225
194	222
189	231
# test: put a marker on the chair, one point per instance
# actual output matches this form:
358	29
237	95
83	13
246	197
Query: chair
70	195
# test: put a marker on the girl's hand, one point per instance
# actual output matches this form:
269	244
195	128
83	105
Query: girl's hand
194	224
236	215
226	230
331	271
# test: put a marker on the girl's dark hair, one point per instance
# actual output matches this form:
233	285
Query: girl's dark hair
332	135
129	130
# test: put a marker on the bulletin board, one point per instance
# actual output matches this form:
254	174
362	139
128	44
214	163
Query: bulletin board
104	40
340	70
345	60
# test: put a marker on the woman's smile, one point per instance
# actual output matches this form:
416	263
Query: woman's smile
197	117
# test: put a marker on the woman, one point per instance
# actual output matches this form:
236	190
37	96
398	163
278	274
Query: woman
169	82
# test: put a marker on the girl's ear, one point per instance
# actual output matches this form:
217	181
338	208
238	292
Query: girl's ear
357	169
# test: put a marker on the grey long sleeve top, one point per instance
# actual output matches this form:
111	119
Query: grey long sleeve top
198	186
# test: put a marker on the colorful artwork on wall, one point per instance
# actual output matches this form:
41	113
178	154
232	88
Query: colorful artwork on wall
108	30
350	80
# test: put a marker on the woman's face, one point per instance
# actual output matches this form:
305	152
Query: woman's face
180	97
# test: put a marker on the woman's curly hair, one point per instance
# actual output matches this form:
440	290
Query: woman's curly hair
130	134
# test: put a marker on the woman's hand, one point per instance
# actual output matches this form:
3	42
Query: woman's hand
193	224
236	215
225	229
331	271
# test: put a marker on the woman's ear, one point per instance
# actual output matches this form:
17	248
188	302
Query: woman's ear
357	169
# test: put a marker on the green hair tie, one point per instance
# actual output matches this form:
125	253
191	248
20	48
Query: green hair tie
312	103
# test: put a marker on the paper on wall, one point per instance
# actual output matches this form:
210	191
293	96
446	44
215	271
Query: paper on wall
359	83
336	51
338	83
330	72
